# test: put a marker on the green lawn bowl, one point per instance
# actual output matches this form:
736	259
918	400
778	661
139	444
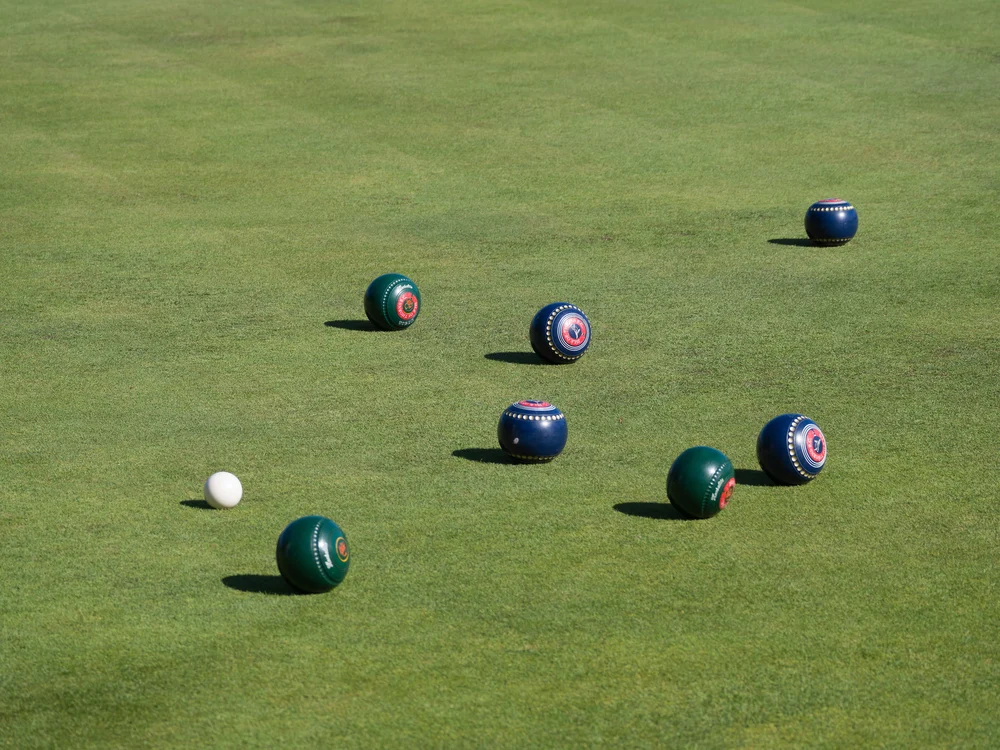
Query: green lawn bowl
313	555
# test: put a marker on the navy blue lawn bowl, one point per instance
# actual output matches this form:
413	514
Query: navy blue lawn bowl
560	333
831	222
532	431
791	449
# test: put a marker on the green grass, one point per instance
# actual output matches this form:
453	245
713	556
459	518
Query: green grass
190	190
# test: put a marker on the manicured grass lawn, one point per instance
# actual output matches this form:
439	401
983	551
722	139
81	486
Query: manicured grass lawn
193	198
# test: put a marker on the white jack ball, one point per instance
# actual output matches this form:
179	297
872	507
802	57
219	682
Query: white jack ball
223	490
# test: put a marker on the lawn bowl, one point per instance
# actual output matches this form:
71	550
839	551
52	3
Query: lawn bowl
791	449
392	302
700	482
313	555
831	222
560	333
532	431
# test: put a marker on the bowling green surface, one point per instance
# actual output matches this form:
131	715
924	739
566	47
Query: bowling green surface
195	197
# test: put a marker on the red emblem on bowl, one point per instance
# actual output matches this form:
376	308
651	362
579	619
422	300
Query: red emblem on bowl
727	492
815	445
341	547
406	306
574	330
